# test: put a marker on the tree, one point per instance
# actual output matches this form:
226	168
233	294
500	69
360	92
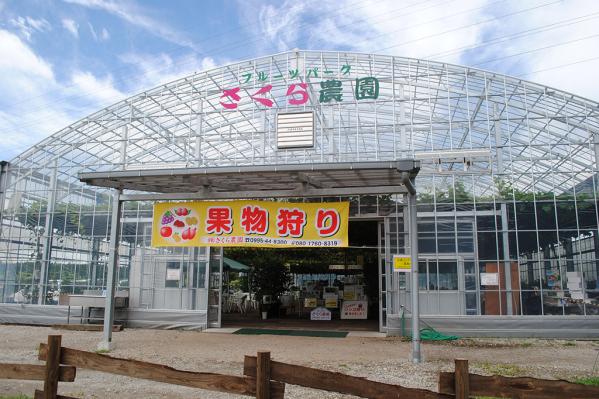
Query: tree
269	276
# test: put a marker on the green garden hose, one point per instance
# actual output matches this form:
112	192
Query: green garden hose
427	333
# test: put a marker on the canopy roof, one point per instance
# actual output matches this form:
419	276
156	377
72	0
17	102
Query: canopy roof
263	181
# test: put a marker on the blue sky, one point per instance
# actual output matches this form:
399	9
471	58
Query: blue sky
62	60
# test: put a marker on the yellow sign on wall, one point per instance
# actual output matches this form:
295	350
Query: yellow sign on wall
250	224
330	302
402	263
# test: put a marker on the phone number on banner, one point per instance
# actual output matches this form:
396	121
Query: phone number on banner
242	240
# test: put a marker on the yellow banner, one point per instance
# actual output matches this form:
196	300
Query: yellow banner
250	224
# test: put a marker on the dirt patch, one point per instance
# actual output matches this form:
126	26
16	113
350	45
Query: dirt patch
381	359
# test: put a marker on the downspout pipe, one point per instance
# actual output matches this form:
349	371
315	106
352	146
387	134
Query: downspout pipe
406	181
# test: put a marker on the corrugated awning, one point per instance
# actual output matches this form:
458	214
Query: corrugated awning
261	181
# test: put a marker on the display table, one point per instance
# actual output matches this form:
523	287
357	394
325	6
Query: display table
90	302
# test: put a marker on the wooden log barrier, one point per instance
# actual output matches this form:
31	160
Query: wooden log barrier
337	382
518	387
263	375
34	372
52	367
161	373
462	379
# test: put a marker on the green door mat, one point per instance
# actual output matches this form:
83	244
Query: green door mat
293	333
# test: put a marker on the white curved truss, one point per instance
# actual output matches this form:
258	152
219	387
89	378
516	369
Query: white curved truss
423	107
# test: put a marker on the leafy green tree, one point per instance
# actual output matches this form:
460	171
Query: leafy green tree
269	276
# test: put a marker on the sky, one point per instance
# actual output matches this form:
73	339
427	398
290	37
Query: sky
62	60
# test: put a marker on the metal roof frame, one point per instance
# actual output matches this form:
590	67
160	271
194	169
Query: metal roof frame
267	181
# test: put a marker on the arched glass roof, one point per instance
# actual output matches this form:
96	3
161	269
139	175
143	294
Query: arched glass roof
423	109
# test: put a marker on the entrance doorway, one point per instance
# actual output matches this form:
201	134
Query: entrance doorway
305	288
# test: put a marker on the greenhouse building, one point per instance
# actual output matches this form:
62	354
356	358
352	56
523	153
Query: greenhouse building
504	170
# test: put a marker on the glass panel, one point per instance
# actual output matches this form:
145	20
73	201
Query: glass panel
471	300
402	281
485	223
469	268
552	304
422	275
200	275
433	275
490	303
470	281
527	242
465	242
184	275
572	306
446	242
546	215
587	218
427	242
566	215
487	245
173	274
525	213
448	275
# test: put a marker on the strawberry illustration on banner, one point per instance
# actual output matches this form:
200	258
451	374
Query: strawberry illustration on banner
178	225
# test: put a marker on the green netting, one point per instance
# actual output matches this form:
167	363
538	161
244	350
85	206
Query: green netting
427	333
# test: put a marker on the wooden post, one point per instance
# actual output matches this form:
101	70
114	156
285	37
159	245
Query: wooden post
52	367
263	375
462	379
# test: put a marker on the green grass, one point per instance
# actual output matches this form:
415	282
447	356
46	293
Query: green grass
20	396
98	351
588	381
508	370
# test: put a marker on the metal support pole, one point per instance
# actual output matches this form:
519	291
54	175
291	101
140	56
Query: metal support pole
416	358
507	265
3	179
49	235
413	231
113	262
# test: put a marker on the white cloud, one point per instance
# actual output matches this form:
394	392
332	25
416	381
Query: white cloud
551	62
93	31
27	26
135	16
71	26
383	26
18	59
154	70
409	29
103	88
34	103
280	24
104	35
445	30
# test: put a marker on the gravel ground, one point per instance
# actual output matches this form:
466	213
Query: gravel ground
381	359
